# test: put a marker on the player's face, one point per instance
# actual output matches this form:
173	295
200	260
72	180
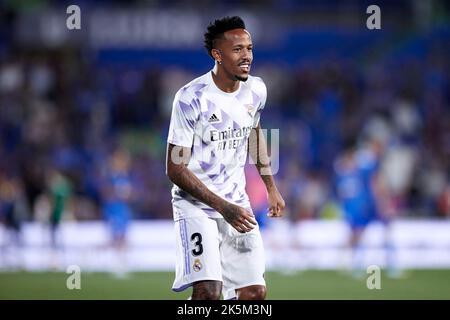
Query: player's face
236	53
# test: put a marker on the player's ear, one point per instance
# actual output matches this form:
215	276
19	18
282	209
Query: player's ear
216	55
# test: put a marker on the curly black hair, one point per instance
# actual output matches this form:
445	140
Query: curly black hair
218	27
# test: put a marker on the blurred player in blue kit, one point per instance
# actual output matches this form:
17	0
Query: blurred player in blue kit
117	193
361	192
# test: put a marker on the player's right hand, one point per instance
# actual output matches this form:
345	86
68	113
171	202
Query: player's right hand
239	218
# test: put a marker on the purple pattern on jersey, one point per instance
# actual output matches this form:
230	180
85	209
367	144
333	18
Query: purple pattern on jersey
211	106
226	176
204	143
217	162
195	102
186	108
205	165
230	194
198	94
214	176
197	87
188	111
209	211
256	100
199	149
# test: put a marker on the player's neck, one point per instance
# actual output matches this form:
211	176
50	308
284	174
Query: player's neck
222	80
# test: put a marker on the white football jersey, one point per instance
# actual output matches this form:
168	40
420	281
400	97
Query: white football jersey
216	126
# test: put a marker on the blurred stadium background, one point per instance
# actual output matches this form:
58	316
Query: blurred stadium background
78	105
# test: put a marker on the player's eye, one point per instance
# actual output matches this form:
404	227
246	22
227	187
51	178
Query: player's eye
237	49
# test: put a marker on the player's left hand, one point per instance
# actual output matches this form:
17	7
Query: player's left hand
276	203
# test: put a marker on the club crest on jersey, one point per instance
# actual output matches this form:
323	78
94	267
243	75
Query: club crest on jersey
250	108
213	118
197	266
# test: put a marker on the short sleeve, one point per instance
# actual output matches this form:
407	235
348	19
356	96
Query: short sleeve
261	92
183	120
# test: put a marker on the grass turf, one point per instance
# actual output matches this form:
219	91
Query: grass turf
416	284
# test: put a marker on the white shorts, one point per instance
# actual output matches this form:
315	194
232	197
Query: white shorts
211	249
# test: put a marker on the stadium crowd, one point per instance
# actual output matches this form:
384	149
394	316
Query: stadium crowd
64	118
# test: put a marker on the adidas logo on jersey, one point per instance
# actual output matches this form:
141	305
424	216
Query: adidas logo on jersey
213	118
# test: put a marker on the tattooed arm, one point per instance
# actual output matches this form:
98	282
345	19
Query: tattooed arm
177	158
258	151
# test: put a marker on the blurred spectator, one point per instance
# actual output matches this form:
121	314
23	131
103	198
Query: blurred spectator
59	189
12	208
67	105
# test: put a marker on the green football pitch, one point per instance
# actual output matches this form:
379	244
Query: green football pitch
414	284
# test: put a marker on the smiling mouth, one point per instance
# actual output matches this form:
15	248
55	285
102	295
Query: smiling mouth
245	67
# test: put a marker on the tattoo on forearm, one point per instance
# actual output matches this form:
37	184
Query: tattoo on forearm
192	185
186	180
258	151
268	180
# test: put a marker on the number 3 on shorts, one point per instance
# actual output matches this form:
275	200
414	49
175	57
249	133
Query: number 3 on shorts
197	239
